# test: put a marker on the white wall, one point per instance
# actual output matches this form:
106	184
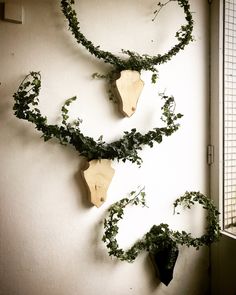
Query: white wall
50	239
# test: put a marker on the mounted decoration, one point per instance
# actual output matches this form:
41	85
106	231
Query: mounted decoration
126	148
133	60
160	242
129	87
98	175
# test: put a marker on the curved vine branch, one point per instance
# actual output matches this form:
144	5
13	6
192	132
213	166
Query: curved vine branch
134	61
161	242
126	148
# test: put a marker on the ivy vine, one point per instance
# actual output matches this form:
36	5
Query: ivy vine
133	60
126	148
160	239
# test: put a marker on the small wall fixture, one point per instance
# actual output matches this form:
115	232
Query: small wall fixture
13	12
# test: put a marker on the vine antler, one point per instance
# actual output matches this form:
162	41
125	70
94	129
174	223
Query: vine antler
126	148
135	61
26	100
160	241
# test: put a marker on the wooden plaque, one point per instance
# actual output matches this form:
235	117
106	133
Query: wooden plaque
98	176
129	87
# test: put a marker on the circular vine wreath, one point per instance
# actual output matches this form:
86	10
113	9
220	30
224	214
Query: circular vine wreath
134	61
161	242
126	148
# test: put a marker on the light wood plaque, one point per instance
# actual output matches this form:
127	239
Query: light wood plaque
129	87
98	176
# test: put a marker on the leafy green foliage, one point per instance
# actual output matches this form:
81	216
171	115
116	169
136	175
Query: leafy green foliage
160	237
133	60
116	213
213	228
111	89
126	148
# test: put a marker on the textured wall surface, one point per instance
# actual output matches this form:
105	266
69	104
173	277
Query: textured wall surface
50	236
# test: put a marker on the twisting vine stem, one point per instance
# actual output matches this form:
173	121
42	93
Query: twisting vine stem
161	5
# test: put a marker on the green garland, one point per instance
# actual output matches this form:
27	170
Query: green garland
151	239
134	61
160	238
126	148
